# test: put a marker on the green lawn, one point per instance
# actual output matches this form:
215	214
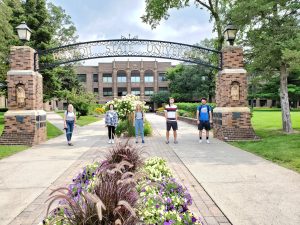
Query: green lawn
83	120
52	131
275	146
8	150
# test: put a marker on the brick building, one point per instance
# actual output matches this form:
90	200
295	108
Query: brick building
118	78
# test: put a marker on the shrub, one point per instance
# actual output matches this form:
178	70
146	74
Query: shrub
126	105
126	127
191	108
147	128
3	109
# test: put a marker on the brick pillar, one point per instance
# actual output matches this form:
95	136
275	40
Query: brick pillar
25	120
232	118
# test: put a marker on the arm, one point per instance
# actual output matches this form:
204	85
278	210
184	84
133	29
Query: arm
65	120
198	117
116	117
75	119
210	116
176	115
166	114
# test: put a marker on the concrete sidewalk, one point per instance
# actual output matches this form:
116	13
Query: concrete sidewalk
25	175
248	189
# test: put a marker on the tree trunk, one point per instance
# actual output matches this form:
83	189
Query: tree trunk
284	101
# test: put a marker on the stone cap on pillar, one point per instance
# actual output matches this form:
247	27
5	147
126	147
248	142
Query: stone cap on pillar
22	58
233	57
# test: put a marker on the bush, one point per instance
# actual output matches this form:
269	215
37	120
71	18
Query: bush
3	109
125	127
191	108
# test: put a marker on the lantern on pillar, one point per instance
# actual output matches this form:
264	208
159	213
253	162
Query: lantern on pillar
230	33
24	32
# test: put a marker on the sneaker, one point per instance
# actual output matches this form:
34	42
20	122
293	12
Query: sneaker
200	141
136	141
167	142
207	141
175	142
109	142
112	141
143	141
70	144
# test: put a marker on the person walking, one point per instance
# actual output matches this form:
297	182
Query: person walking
204	117
69	123
111	121
138	121
171	120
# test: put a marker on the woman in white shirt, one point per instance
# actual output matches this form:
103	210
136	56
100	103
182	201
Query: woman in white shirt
69	123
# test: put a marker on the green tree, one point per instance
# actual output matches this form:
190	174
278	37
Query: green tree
271	30
156	10
160	97
189	82
63	27
81	100
7	36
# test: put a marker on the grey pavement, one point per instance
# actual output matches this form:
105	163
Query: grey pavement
25	175
226	183
248	189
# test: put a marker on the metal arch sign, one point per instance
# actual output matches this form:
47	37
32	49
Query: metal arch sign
127	48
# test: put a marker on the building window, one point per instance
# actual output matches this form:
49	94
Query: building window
81	77
162	77
107	92
148	91
121	76
96	90
136	91
107	78
149	76
163	89
122	91
95	77
135	76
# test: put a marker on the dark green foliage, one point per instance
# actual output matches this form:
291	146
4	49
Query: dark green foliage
190	83
160	97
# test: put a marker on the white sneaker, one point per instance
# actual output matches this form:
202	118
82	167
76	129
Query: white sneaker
207	141
200	141
112	141
109	142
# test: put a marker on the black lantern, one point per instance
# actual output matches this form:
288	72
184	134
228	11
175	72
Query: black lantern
230	33
24	32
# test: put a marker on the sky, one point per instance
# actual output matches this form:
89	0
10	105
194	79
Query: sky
111	19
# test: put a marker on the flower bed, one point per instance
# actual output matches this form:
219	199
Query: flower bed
123	189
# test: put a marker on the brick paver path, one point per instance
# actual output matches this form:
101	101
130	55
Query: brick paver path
248	189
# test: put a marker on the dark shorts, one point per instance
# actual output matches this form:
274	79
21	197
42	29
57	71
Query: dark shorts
204	125
172	124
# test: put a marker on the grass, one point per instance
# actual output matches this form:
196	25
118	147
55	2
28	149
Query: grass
83	120
274	145
52	131
7	150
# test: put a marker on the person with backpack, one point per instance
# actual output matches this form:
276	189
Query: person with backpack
138	121
204	118
69	123
111	122
171	120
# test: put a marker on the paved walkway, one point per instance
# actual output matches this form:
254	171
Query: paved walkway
245	189
25	176
248	189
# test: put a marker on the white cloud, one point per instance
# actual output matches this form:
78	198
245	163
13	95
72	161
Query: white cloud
99	19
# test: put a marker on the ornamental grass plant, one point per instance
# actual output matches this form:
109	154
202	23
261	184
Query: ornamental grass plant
123	189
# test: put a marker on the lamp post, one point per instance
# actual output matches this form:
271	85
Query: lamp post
230	33
24	32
